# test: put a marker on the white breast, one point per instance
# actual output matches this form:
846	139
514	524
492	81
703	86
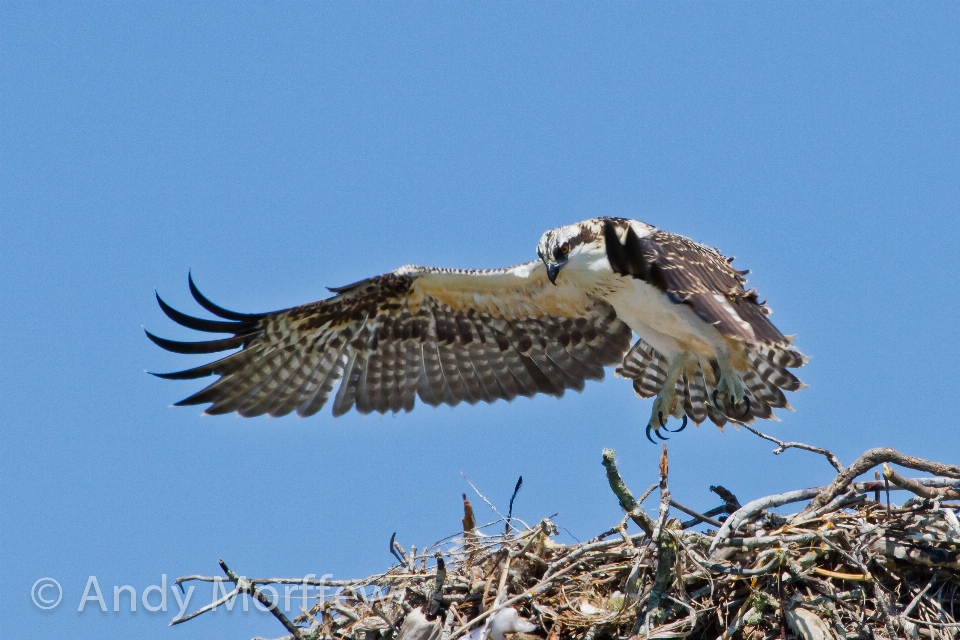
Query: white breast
670	328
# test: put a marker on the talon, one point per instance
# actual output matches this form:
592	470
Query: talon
657	433
683	425
746	410
716	404
660	418
649	429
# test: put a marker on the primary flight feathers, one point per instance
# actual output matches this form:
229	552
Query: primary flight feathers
706	348
387	340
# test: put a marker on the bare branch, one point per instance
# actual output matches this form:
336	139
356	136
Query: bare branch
753	508
871	459
666	551
915	487
482	497
699	516
783	446
246	587
209	607
627	501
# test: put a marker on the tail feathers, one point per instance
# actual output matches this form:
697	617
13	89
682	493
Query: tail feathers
781	356
765	381
773	374
716	416
763	391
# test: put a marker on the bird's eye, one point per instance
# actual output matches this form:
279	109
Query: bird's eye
564	249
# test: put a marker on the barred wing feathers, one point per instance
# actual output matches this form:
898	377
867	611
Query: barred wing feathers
446	336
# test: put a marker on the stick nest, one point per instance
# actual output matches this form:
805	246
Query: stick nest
849	564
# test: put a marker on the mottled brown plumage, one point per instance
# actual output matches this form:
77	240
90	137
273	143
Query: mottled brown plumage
380	343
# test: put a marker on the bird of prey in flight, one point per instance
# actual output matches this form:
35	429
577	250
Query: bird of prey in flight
706	347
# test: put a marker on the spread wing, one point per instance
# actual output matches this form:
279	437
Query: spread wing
444	335
690	273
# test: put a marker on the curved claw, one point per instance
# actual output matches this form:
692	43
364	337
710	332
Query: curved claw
746	409
656	432
649	429
683	425
660	418
716	403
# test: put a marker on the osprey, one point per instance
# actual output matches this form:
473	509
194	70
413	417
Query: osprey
706	347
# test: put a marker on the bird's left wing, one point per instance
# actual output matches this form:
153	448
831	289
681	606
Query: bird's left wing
444	335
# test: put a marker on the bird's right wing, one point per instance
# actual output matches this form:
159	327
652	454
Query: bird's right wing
444	335
693	274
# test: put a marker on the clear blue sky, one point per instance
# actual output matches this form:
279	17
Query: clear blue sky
276	149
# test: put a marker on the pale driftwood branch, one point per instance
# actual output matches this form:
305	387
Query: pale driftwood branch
952	521
320	582
757	542
383	616
246	587
213	605
783	446
844	500
242	586
751	509
873	485
935	625
871	459
915	487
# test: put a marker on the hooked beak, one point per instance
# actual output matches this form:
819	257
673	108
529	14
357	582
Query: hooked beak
553	268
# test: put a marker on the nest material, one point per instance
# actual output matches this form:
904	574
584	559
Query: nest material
848	565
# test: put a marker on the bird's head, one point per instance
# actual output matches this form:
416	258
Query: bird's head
575	244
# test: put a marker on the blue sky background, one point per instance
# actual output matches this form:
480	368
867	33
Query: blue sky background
277	149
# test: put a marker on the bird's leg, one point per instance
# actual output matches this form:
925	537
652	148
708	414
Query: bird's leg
730	386
667	403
